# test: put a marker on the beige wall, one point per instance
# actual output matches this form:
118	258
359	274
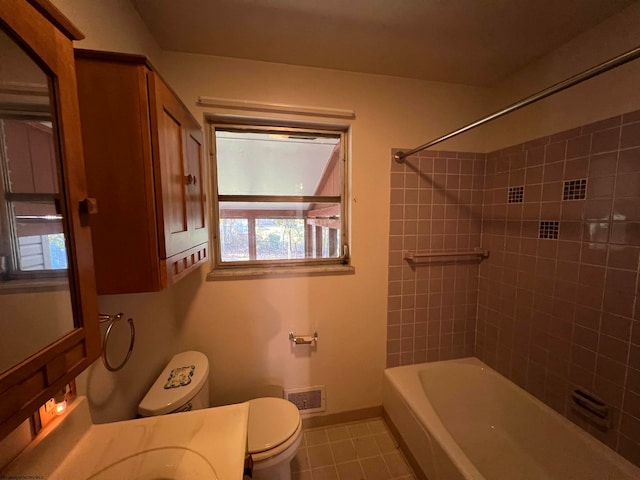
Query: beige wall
602	97
242	325
112	25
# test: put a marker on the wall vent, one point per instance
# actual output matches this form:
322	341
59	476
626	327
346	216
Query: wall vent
308	399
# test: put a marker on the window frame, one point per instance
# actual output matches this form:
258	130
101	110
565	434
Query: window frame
339	264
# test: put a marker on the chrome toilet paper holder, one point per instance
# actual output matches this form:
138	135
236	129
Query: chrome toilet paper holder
303	339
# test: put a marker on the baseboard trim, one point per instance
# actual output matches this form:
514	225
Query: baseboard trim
342	417
420	475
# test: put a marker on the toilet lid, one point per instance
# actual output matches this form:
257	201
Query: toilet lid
180	381
272	421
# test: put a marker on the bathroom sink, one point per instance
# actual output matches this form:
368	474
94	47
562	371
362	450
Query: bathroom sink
168	463
202	444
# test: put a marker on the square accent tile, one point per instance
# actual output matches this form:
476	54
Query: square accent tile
575	189
549	230
516	195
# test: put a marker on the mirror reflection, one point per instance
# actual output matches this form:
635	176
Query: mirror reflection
35	300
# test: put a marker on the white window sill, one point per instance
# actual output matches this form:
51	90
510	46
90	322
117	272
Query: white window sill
239	273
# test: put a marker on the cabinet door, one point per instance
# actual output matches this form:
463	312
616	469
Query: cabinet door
197	187
170	168
114	110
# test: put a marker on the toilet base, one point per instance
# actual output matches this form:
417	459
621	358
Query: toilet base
278	467
275	472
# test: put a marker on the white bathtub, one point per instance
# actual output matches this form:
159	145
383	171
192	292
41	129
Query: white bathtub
462	420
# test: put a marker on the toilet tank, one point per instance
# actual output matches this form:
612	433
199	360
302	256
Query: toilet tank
182	386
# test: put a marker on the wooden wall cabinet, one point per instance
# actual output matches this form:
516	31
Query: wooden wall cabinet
145	166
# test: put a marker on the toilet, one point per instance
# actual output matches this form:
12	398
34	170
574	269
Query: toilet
275	427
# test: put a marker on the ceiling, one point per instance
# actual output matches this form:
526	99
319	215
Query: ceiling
475	42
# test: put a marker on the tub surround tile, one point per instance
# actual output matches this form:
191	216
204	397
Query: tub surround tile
592	312
551	314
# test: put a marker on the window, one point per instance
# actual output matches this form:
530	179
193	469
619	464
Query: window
279	196
32	241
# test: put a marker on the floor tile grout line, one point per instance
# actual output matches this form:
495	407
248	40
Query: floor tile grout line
358	459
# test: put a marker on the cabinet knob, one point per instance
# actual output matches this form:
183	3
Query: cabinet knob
88	206
190	179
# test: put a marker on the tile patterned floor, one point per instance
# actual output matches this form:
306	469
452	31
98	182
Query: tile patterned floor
351	451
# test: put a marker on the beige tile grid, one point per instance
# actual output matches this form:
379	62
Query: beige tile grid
350	451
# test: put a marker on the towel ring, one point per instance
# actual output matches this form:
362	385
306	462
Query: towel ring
113	319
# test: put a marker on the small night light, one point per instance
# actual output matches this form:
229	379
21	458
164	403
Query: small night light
61	401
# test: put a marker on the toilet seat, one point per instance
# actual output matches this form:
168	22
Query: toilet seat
265	456
274	425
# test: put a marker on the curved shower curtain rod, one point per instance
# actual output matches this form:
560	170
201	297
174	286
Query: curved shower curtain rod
569	82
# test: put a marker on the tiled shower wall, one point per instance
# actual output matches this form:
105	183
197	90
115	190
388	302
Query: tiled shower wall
436	205
558	314
556	300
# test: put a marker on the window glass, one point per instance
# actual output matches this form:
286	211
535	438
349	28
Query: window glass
234	239
252	163
34	237
279	238
279	195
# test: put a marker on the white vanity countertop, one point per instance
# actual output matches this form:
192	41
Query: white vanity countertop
214	437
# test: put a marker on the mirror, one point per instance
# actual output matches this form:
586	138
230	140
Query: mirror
49	330
35	299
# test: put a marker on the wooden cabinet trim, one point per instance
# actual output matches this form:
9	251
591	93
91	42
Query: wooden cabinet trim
182	264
